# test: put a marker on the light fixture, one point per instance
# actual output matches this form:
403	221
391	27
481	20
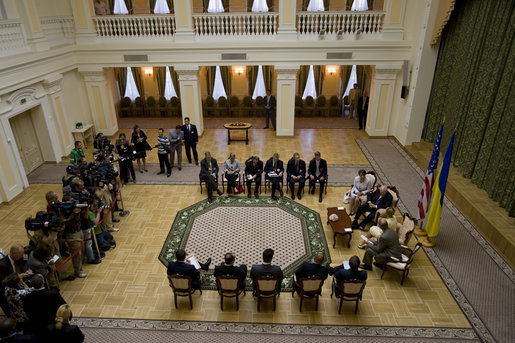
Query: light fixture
331	70
149	71
239	70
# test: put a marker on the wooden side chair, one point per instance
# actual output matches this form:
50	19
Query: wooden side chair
238	182
229	286
265	288
181	286
403	264
350	290
268	182
317	183
309	287
205	182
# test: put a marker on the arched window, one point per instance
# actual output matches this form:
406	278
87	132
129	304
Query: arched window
120	8
218	88
259	6
353	78
310	89
359	5
259	88
169	88
316	6
161	7
131	91
215	6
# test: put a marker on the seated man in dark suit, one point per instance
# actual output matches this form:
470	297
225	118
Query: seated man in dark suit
41	306
209	173
253	171
275	166
184	268
266	269
317	172
228	268
8	333
387	245
12	263
296	171
307	269
381	198
353	273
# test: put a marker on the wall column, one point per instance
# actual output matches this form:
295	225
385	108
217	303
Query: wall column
287	29
183	20
101	101
285	110
83	11
382	92
393	27
31	24
191	97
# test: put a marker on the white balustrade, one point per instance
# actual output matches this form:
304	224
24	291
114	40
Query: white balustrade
227	25
12	38
131	26
341	24
58	30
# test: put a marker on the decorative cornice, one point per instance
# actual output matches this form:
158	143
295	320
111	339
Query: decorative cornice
287	72
52	84
387	72
93	74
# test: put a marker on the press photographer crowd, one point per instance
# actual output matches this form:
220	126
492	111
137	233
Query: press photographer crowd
74	230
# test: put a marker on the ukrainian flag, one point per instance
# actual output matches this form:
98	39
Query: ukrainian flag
433	221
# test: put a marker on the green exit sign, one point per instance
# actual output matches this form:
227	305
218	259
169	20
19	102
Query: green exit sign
22	101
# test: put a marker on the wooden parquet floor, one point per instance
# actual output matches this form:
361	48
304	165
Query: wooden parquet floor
132	283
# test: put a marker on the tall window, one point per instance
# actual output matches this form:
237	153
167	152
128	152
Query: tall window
359	5
3	15
161	7
352	80
215	6
218	88
131	91
120	8
169	88
259	6
310	89
259	88
316	6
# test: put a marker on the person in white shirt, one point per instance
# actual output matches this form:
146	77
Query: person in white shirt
362	185
231	170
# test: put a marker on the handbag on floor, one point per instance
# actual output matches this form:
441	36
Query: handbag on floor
346	197
239	189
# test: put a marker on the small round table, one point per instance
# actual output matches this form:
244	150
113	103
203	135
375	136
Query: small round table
237	126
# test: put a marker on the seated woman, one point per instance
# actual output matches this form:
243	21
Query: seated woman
40	263
15	291
232	171
62	331
362	185
375	231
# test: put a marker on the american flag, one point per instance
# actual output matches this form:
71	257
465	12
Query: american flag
425	193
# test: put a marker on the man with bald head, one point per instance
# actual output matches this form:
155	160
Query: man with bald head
314	268
8	333
387	245
12	263
381	198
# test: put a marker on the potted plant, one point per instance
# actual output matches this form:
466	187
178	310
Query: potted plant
78	125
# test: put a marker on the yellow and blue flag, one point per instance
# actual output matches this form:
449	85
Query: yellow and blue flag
435	212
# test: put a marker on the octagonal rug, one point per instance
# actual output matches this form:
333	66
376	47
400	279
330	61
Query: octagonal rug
246	227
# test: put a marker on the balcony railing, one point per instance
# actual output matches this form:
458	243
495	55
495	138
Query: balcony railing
12	38
132	26
339	24
259	25
58	30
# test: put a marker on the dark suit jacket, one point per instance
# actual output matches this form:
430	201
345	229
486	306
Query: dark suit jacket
388	244
348	274
384	202
204	167
269	166
190	138
312	170
260	270
41	307
6	267
251	170
20	339
238	271
272	103
360	104
311	269
290	168
68	334
185	269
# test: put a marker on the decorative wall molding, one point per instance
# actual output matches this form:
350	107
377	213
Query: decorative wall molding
53	84
92	74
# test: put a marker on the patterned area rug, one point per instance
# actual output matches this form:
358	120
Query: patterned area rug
340	175
247	227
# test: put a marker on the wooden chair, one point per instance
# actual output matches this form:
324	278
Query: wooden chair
229	286
405	230
309	287
181	286
403	264
205	182
238	182
245	177
317	183
268	182
265	288
350	290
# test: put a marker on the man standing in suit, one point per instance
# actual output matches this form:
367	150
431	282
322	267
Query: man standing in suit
307	269
12	263
176	138
184	268
387	245
363	109
209	173
354	95
253	171
275	167
41	305
266	269
296	171
228	268
269	108
381	198
353	273
317	172
190	139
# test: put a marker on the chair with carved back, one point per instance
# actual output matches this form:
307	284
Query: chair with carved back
266	287
238	182
310	287
204	181
350	290
181	286
404	263
229	286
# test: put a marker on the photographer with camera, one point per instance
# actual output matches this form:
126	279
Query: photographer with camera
76	153
126	154
104	239
163	149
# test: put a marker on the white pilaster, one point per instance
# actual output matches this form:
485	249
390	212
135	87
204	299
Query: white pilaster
191	103
285	110
393	27
287	29
183	21
83	11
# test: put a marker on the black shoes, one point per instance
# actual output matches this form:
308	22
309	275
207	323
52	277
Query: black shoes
292	196
365	266
378	265
205	266
209	200
281	193
115	220
256	195
180	168
168	175
219	192
249	196
320	199
266	127
274	198
299	196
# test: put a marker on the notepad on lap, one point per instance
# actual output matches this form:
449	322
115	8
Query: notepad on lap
346	265
193	261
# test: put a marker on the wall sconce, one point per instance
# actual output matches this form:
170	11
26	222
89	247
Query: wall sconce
239	70
149	71
331	70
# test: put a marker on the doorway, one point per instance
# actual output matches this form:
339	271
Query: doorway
27	141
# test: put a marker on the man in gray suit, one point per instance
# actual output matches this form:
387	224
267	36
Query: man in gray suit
266	269
387	245
176	138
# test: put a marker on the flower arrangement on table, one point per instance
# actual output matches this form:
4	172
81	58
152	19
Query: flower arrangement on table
238	123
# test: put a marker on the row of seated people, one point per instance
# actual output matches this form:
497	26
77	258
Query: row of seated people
274	170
